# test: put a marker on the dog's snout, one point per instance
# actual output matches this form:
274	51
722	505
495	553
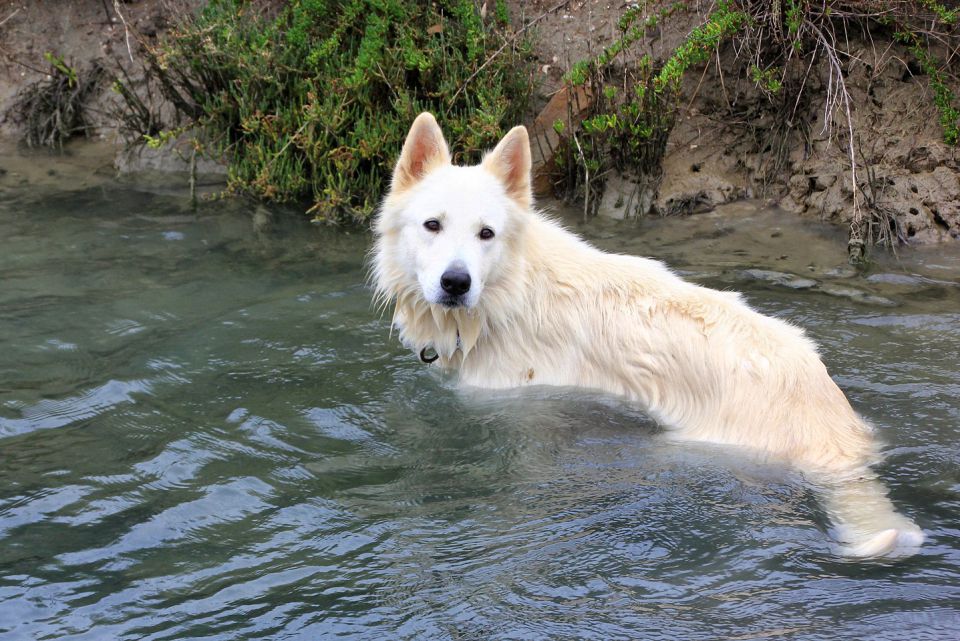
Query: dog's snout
455	282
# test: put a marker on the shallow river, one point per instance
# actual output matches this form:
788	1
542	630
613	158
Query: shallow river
206	432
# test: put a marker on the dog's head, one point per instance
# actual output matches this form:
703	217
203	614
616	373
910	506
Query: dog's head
443	230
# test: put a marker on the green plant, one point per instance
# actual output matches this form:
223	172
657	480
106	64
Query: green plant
313	100
62	67
635	102
947	16
700	44
501	12
796	12
767	80
943	96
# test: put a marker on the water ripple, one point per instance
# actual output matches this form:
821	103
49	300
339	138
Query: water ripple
51	414
220	504
247	454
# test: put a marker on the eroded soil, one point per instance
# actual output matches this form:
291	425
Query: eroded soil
724	147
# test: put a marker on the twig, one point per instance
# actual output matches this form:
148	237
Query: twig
106	11
126	28
193	178
836	97
586	183
508	42
4	21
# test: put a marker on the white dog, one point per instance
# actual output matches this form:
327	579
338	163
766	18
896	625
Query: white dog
488	286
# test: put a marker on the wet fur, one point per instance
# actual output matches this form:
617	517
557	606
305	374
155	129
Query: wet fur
554	310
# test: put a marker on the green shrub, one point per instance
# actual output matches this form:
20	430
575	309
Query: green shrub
635	102
313	99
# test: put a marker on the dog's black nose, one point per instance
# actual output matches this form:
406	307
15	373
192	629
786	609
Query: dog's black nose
455	282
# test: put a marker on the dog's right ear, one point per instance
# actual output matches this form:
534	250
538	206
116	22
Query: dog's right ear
424	149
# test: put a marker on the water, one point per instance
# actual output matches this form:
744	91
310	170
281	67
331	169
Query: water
205	432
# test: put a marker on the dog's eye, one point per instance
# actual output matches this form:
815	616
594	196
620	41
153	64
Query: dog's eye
432	225
486	233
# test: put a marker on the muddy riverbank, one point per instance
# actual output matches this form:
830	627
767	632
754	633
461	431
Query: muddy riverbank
726	145
729	144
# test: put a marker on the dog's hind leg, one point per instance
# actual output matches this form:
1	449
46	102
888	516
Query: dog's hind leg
865	520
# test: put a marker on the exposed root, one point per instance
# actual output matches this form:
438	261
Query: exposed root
53	110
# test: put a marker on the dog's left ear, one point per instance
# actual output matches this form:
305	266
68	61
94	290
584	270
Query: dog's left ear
510	162
424	150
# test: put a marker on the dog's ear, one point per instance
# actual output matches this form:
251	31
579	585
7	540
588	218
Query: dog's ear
510	162
424	149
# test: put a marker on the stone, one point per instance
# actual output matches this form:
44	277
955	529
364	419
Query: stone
568	105
857	295
783	279
619	200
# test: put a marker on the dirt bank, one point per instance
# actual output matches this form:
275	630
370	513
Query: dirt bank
727	142
86	34
726	145
82	33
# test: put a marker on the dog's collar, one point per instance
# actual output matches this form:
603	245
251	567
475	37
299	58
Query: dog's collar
428	354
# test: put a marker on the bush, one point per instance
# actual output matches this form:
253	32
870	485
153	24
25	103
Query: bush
635	102
313	99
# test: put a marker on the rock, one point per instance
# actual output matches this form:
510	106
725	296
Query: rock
910	280
857	295
824	182
624	198
694	192
167	161
783	279
895	279
566	105
799	186
841	271
697	176
262	220
948	182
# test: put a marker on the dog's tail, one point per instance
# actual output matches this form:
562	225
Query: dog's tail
865	520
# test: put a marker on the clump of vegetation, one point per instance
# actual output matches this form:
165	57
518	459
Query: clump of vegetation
313	98
54	110
636	102
943	96
777	44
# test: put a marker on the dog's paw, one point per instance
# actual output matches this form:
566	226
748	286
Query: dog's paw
891	543
880	544
910	536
